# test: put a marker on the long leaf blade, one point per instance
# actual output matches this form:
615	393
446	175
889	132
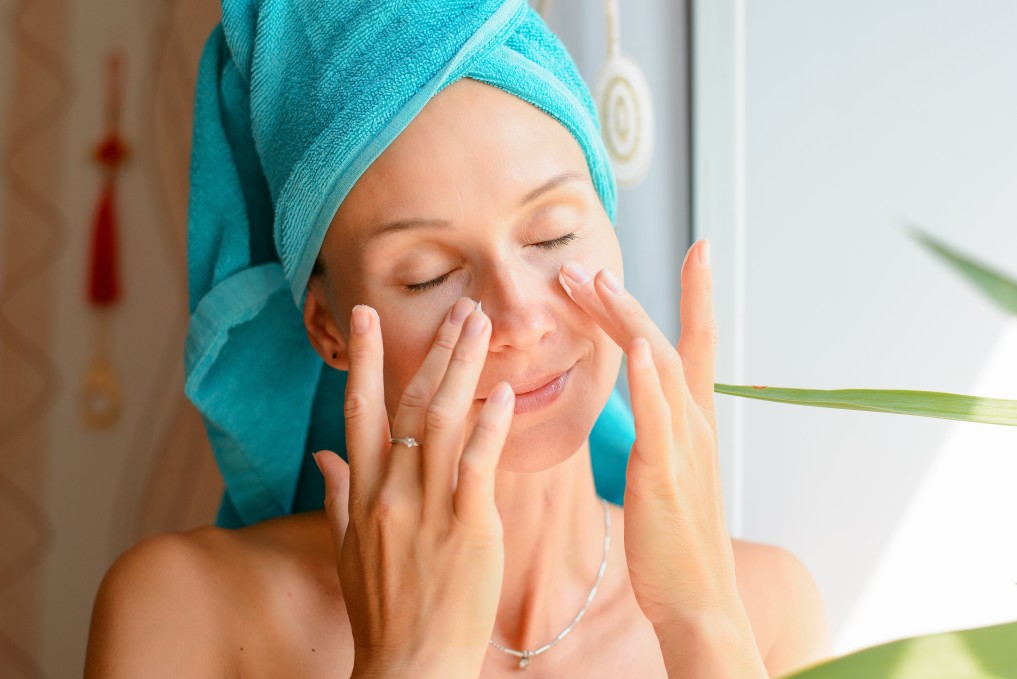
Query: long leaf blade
980	653
1000	288
921	403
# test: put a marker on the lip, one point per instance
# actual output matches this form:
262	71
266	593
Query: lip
543	395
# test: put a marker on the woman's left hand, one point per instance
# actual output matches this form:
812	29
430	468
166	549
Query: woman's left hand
677	545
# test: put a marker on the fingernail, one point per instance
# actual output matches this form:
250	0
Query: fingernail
612	283
500	395
561	279
462	309
314	456
704	253
576	273
474	324
361	319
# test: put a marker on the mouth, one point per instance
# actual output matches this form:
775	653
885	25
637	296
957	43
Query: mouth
539	393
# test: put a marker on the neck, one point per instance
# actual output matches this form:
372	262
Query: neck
553	525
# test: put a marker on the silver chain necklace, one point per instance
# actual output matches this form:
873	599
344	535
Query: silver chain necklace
524	656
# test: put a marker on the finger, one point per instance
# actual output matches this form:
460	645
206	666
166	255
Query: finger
364	403
337	494
404	466
577	285
448	410
654	463
624	319
619	314
473	500
697	344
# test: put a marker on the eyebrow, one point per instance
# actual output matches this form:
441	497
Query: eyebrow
551	184
406	224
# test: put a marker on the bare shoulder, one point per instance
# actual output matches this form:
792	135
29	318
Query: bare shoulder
158	608
784	604
210	601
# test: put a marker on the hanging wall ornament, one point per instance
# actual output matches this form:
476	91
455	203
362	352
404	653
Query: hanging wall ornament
624	107
100	398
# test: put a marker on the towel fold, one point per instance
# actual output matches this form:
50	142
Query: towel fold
294	100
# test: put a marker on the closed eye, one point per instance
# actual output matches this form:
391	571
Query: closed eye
546	245
558	242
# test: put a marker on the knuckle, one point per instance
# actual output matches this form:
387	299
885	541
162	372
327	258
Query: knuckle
446	340
673	366
389	508
705	334
634	313
415	395
472	472
654	423
710	334
462	356
486	428
358	352
439	416
355	406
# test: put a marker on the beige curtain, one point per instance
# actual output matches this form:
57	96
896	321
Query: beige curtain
40	89
179	485
171	482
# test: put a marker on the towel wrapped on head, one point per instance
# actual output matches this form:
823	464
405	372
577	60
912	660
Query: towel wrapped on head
294	100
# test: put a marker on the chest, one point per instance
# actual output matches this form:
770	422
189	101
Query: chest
308	642
637	655
298	626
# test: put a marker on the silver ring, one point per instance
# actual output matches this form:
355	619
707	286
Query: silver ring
408	441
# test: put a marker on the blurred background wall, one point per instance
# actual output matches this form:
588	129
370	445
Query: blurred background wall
822	130
73	497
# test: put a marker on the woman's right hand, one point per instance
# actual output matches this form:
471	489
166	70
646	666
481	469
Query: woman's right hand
417	535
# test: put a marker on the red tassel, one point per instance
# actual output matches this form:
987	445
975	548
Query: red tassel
110	153
104	278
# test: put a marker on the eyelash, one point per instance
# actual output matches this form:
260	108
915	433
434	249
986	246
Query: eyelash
547	245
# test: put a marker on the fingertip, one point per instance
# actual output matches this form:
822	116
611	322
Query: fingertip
502	394
704	252
561	280
575	272
688	254
326	461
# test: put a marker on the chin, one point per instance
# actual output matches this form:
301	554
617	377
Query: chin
530	452
542	439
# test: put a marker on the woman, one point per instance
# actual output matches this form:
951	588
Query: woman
455	283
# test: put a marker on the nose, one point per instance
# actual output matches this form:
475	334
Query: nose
516	300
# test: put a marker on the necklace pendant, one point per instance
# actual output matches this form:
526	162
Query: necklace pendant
524	662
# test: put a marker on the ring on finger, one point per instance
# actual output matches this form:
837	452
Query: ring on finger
407	441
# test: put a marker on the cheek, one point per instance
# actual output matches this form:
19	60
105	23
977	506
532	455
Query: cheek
600	249
406	346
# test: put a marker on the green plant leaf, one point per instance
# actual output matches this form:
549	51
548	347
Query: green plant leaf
921	403
1000	288
980	653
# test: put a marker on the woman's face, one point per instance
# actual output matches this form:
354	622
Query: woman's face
490	197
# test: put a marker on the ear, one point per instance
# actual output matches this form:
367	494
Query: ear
325	336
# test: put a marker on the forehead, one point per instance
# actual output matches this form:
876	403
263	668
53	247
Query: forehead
472	147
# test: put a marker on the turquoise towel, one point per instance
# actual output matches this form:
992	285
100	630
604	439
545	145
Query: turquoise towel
294	100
